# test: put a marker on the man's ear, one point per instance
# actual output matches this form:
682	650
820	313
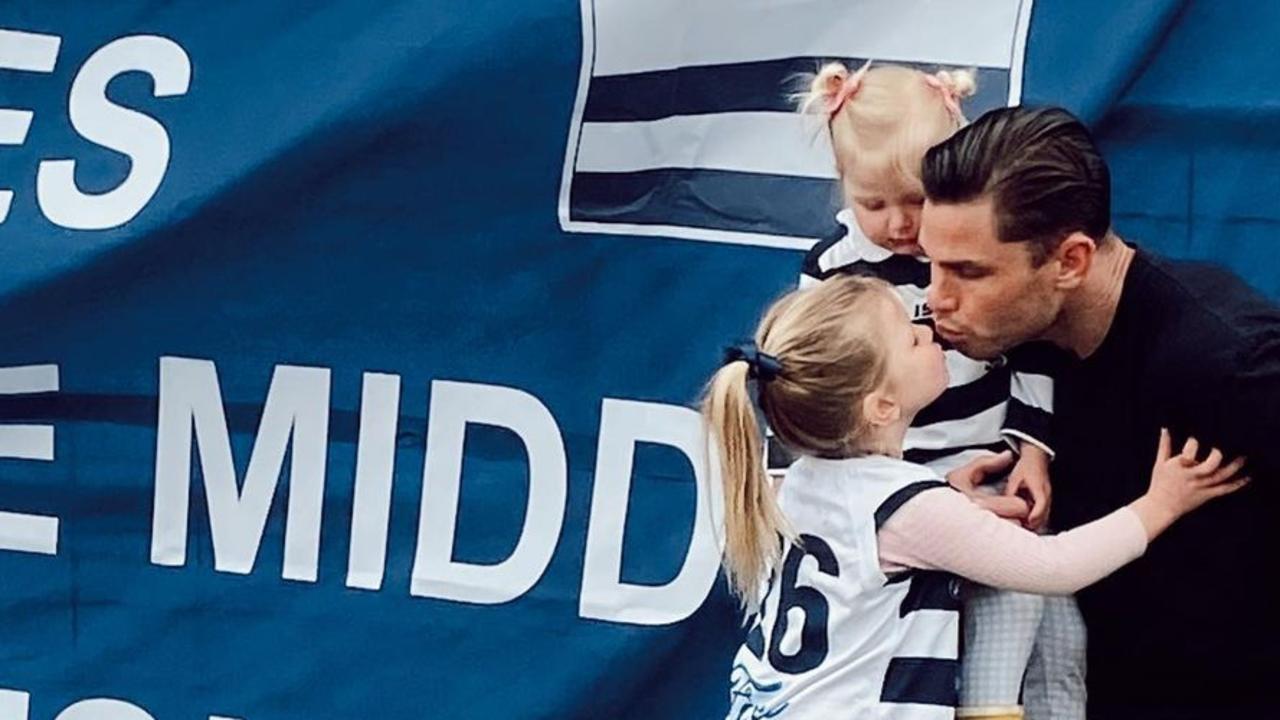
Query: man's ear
879	409
1074	257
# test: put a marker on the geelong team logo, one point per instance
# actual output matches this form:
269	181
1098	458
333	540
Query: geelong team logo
683	127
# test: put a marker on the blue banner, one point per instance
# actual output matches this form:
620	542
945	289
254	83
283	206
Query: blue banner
350	349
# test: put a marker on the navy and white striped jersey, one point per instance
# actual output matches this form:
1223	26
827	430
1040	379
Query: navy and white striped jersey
834	636
988	406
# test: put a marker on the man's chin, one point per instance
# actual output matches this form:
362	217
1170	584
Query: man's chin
980	353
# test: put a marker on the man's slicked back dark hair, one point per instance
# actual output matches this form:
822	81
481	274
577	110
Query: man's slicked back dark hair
1041	169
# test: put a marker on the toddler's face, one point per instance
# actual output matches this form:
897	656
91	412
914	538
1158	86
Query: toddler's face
887	208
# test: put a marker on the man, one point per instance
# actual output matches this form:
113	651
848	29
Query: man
1017	224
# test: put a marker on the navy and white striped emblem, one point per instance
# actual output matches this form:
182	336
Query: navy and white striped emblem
683	126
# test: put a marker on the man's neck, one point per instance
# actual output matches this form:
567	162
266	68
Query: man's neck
1088	312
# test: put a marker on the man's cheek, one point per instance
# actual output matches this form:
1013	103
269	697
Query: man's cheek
1001	313
989	302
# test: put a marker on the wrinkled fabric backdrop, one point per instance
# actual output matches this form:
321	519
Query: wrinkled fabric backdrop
347	351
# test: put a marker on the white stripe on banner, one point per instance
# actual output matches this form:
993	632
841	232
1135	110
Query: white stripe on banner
755	142
1033	389
729	237
980	429
712	32
22	379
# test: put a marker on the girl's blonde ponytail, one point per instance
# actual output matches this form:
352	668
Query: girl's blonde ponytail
754	524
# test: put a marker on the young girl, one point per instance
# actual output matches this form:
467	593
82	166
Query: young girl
846	565
881	120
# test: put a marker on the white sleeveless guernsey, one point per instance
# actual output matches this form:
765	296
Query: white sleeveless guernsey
835	637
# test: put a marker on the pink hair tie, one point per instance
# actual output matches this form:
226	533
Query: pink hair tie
847	90
949	98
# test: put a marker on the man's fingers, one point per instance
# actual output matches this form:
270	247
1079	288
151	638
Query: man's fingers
1038	511
1039	502
1164	450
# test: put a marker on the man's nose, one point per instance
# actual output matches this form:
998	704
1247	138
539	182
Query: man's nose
939	299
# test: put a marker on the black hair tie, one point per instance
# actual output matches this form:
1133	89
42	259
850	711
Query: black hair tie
760	366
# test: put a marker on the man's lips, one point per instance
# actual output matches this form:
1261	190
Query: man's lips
944	336
946	332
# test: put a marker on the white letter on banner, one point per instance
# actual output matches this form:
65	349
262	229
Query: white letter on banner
127	131
24	532
375	464
453	406
297	409
623	423
103	709
14	704
30	52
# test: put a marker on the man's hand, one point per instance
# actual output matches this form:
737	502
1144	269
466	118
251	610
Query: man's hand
1030	480
969	476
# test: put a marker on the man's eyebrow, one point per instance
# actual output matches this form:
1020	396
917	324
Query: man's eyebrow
964	266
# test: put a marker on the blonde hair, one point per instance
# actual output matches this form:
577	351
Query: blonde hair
826	340
893	116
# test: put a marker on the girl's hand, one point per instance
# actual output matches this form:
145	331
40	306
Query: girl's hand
1181	483
969	476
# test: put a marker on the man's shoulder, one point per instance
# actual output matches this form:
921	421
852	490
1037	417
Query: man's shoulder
1198	277
1206	295
1205	310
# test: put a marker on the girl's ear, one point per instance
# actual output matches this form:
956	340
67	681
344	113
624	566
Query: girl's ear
879	409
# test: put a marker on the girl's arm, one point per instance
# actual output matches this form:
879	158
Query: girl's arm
941	530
